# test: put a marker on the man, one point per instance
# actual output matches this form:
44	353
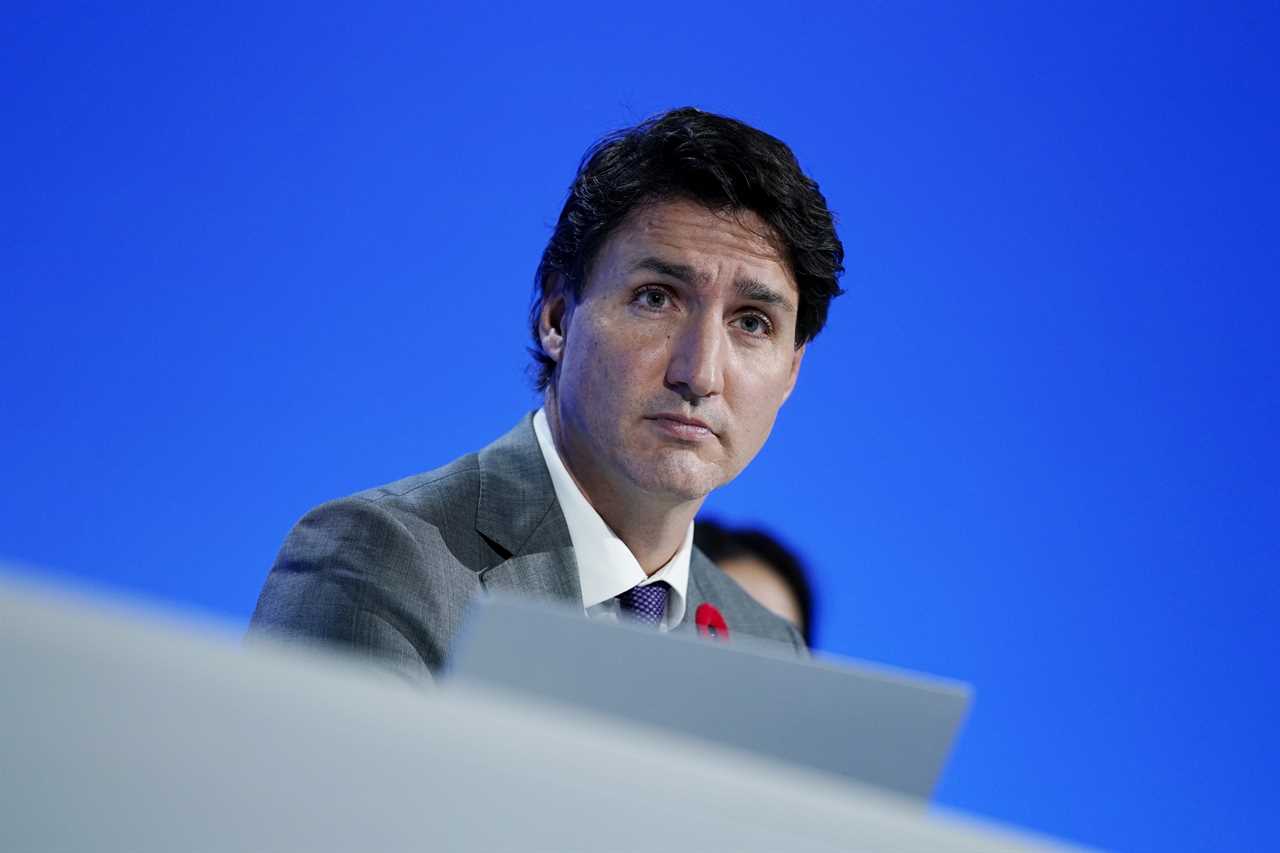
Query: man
691	264
768	570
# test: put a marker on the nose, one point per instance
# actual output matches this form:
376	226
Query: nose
696	368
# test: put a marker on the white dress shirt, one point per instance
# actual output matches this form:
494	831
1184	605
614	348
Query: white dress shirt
606	566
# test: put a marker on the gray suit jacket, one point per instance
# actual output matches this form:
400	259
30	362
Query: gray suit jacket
389	572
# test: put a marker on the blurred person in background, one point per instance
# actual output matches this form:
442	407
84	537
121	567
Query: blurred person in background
768	570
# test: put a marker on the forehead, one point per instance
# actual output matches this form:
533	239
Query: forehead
687	232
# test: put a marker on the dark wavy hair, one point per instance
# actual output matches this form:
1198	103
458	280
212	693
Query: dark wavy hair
711	159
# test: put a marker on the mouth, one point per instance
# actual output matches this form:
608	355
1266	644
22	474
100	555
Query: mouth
683	428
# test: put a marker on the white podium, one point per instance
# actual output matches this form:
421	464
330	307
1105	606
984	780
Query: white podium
125	730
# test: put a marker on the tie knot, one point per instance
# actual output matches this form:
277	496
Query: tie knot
647	604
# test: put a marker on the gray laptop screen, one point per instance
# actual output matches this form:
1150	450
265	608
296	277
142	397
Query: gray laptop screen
879	726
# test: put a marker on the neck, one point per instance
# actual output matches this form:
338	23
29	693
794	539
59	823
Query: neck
653	527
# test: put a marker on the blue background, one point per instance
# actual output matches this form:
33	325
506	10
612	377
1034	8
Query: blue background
252	260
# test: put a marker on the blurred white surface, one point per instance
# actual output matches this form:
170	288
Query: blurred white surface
121	729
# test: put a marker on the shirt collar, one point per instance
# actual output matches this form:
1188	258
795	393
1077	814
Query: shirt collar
606	566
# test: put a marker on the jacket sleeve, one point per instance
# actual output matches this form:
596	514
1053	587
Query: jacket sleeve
342	579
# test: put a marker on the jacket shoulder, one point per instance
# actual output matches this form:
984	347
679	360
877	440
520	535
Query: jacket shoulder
437	509
429	493
386	572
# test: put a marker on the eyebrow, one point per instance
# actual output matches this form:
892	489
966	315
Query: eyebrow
754	290
749	289
680	272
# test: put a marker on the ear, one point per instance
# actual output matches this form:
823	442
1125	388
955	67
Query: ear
796	358
553	322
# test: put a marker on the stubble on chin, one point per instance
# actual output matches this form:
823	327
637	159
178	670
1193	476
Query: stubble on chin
676	475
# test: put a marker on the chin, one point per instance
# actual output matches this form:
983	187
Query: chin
679	479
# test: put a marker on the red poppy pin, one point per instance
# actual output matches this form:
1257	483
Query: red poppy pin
710	623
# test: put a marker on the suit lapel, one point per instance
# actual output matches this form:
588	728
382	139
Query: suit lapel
518	512
694	593
544	574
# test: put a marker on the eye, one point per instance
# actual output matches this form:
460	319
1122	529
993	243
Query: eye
652	298
755	324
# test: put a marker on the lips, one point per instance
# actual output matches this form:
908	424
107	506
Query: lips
681	419
683	428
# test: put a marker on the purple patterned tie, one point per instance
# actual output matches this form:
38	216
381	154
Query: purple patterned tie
646	604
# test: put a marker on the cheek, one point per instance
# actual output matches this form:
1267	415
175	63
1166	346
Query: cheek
620	355
761	386
757	396
609	363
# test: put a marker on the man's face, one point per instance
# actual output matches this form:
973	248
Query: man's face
674	363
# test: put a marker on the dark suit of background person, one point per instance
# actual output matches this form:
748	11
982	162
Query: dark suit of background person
390	571
691	264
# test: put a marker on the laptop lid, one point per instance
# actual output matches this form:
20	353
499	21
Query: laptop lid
880	726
